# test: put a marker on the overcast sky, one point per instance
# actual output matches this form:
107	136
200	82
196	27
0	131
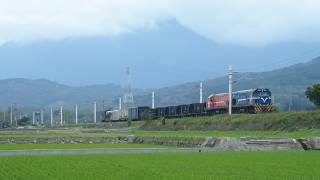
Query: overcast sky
241	22
189	40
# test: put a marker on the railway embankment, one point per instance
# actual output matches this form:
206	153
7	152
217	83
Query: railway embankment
290	123
287	122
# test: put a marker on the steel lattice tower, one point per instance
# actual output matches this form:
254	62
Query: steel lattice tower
128	96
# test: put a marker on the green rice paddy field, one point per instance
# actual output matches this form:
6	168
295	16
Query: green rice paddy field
215	165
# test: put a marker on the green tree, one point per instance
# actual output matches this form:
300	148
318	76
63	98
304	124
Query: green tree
313	94
24	121
67	117
129	122
163	121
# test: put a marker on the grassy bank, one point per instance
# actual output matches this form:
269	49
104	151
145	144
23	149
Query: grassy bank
219	165
74	146
163	133
283	122
103	125
58	133
262	134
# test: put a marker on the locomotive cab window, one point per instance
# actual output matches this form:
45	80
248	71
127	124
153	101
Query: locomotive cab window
260	92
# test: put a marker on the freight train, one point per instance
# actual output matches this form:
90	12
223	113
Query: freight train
257	100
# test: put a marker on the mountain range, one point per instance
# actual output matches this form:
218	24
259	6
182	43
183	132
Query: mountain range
165	55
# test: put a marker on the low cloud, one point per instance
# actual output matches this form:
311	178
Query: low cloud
252	22
245	22
23	21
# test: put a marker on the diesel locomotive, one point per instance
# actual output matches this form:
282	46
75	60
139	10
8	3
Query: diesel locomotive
257	100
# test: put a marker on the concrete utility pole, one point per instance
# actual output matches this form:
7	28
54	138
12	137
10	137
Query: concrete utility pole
95	112
33	118
61	115
41	116
76	114
51	117
120	103
11	115
201	88
153	106
290	104
230	89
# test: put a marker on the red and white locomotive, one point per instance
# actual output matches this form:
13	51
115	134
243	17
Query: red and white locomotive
249	101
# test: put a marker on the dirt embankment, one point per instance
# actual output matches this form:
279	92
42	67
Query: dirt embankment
172	141
219	144
235	144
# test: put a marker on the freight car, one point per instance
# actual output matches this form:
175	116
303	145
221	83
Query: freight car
159	112
255	100
140	113
115	115
197	109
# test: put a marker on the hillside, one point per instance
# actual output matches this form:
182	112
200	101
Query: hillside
42	93
287	84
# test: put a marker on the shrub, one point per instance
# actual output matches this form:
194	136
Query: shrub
163	121
313	94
